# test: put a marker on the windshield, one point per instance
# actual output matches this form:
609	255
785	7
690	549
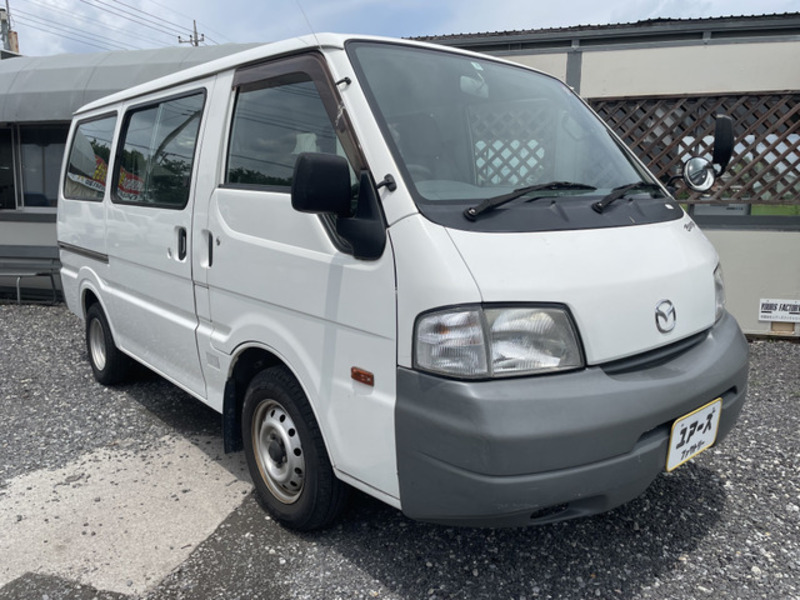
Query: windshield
464	129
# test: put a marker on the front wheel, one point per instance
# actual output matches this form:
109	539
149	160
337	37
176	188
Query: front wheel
286	454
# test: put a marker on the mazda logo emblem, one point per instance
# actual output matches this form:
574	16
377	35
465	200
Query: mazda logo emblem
665	316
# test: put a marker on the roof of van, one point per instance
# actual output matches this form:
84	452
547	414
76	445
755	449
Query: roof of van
252	55
52	88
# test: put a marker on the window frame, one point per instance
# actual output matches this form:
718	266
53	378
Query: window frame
112	155
18	133
12	167
274	73
120	145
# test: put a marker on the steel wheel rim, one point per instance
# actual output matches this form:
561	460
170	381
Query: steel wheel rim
97	344
278	451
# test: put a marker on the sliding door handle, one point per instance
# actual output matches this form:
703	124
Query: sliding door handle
183	246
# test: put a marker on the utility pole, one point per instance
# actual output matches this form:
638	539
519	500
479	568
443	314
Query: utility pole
193	39
9	43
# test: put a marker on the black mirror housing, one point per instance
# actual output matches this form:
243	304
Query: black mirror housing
321	184
366	230
723	142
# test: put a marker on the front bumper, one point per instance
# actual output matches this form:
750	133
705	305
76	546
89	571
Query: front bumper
531	450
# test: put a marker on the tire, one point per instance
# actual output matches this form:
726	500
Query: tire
286	454
109	365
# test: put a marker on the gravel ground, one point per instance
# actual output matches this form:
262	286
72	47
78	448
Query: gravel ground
726	525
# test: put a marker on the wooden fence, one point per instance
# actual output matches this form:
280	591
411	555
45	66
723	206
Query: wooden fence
664	131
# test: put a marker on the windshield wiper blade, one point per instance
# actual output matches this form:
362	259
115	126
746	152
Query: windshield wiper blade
624	190
474	212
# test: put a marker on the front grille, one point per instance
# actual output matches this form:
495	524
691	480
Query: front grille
653	358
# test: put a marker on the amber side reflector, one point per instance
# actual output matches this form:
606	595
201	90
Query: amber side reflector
362	376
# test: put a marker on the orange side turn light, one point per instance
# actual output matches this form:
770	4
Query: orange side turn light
362	376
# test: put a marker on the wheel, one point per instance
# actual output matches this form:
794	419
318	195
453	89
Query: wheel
286	455
109	365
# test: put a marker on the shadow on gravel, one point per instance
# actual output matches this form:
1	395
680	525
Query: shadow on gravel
33	586
177	409
375	552
613	555
179	413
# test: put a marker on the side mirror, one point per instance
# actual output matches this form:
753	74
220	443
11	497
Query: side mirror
321	184
698	174
723	142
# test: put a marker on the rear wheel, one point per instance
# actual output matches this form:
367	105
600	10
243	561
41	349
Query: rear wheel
109	365
286	454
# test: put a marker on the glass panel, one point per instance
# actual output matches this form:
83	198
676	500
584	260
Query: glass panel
88	160
158	153
271	126
42	149
466	128
7	201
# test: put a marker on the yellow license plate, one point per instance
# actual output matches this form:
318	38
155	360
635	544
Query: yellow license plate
693	433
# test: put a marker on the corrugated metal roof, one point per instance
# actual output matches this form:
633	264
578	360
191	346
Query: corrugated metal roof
775	22
51	88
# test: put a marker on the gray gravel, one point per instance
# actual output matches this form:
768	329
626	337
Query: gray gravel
726	525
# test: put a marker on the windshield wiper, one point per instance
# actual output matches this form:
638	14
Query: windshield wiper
624	190
474	212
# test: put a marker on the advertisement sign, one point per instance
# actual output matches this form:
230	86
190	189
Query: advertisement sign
786	311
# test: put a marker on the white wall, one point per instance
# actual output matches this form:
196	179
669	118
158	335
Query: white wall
716	68
756	265
554	64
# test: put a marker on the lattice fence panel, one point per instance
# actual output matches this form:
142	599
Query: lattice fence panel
506	142
664	131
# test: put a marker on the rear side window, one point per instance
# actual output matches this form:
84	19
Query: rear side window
89	156
157	152
272	126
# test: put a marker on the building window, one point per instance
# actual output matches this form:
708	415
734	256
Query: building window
41	151
7	201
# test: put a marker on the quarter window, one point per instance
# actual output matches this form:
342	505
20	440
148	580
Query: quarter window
157	155
89	156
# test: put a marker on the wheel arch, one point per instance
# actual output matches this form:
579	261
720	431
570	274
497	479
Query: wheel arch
247	363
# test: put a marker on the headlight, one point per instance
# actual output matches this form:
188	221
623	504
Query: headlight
719	293
476	342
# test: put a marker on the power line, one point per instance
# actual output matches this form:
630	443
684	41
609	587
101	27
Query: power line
77	25
124	14
72	31
91	22
157	17
204	26
64	35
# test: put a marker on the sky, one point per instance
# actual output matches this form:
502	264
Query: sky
48	27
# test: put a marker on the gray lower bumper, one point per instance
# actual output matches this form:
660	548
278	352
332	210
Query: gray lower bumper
496	453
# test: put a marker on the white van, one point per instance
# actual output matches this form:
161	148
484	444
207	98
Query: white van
431	275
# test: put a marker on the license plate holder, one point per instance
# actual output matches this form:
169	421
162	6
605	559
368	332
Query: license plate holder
693	433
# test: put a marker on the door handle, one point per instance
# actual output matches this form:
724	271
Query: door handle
183	249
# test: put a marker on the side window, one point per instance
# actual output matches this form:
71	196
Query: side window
88	159
157	153
272	125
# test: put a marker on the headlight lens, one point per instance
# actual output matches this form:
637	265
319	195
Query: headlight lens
496	342
719	293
